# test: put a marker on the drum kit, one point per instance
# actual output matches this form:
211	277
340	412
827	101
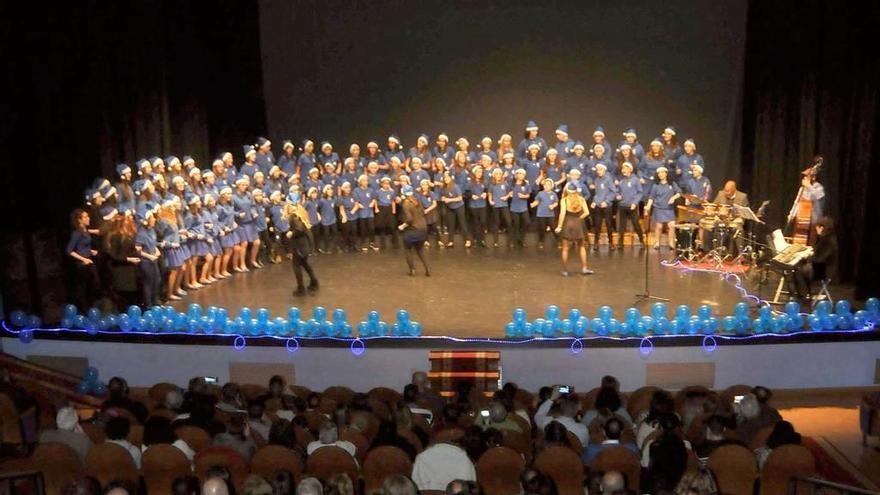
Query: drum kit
708	234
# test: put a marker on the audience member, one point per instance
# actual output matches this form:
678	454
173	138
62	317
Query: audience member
612	481
283	483
441	463
388	436
310	486
783	434
119	487
236	438
258	423
534	482
339	484
423	386
666	456
608	404
411	398
255	485
555	435
463	487
230	399
751	418
117	430
398	484
185	485
117	388
496	416
82	486
568	407
282	433
613	429
216	486
661	405
158	429
329	437
68	432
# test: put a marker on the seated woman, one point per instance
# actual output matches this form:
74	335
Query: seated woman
783	434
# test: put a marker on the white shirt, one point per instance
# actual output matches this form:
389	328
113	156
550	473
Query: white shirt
439	464
134	451
342	444
542	419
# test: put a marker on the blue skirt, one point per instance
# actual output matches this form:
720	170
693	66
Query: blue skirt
247	232
663	215
198	247
216	248
176	257
230	240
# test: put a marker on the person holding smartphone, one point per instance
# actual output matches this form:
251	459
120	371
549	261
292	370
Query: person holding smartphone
568	407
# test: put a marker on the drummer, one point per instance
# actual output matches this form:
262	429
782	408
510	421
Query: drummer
725	200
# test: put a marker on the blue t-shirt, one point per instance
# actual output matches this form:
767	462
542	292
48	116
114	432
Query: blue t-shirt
347	203
385	197
311	207
364	196
498	191
518	204
452	192
417	176
475	189
146	239
80	243
545	200
327	210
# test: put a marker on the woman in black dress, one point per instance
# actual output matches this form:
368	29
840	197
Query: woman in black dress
300	243
572	212
415	230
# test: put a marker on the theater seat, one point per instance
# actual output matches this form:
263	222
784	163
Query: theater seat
107	462
160	465
327	461
735	469
619	459
273	458
59	464
782	465
218	455
498	471
194	436
383	462
565	467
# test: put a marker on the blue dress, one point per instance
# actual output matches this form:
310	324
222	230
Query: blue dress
662	211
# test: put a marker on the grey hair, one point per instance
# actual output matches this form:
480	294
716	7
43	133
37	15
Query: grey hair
328	433
310	486
749	407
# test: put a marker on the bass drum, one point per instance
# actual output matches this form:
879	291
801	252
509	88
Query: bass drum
722	238
686	240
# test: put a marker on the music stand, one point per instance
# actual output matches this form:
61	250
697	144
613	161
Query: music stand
746	213
647	296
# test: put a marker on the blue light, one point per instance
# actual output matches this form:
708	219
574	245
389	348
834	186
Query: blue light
646	346
358	347
239	343
577	346
709	344
292	345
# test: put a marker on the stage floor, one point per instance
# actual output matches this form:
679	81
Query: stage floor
471	293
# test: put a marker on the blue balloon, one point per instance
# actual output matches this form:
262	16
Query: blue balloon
92	328
245	313
797	321
99	389
662	325
26	336
302	329
792	308
194	311
741	310
112	321
823	308
694	326
648	322
402	315
683	311
758	325
632	314
679	326
373	316
94	314
509	330
67	322
639	328
765	313
815	323
605	313
742	326
711	325
779	324
125	323
549	329
729	323
319	313
70	311
574	315
528	330
828	323
842	307
18	318
211	312
519	314
415	329
846	322
872	305
861	318
395	329
658	310
328	329
383	328
79	321
597	325
363	329
339	315
103	324
263	314
280	325
34	322
538	325
346	329
552	312
293	313
134	311
613	326
567	328
705	312
83	388
580	328
91	374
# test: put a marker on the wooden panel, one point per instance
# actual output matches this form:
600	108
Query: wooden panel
679	375
73	365
260	373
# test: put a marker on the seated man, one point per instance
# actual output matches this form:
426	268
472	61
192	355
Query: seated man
440	464
329	437
117	432
411	397
567	408
613	429
728	197
498	418
69	433
118	390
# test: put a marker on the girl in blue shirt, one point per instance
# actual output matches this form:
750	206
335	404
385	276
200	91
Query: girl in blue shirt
486	149
327	210
477	192
393	149
553	169
625	154
519	207
313	179
327	156
499	195
662	199
531	137
212	215
249	167
508	167
147	247
365	208
386	223
79	248
453	199
671	149
247	229
545	204
654	159
604	194
347	217
425	195
306	160
175	254
685	163
532	165
417	175
260	204
312	206
350	172
629	194
442	149
287	161
437	184
420	150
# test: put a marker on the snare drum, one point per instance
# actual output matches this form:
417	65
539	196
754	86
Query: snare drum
722	237
686	240
710	209
724	211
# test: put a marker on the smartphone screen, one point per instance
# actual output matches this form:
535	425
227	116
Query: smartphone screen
210	379
738	398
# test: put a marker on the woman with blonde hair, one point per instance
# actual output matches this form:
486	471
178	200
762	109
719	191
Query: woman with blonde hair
570	227
176	253
300	243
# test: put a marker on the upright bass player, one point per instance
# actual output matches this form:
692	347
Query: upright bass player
809	205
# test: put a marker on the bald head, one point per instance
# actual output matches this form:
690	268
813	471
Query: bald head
730	188
420	380
215	486
612	481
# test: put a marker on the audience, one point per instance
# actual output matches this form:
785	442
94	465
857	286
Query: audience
310	486
256	485
665	455
117	430
283	483
230	399
235	437
185	485
339	484
612	482
496	416
397	484
534	482
613	429
440	464
783	434
117	388
158	429
68	432
216	486
423	386
463	487
82	486
608	404
257	420
567	407
329	437
411	399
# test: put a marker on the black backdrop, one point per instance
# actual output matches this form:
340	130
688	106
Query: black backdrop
812	87
350	71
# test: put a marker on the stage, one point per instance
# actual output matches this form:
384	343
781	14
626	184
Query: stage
473	292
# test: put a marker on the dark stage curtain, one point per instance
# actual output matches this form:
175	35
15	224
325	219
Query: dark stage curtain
811	87
96	83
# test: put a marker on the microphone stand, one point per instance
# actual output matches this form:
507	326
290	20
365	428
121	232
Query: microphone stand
646	295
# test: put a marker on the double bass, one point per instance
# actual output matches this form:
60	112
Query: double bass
801	213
